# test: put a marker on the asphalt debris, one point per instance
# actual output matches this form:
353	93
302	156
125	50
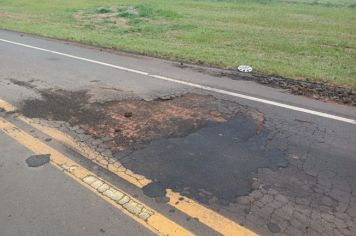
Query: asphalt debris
48	139
128	114
318	90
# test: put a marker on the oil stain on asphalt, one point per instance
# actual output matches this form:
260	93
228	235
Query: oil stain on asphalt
38	160
205	148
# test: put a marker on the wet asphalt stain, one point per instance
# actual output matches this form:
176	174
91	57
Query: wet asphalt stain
63	106
217	162
38	160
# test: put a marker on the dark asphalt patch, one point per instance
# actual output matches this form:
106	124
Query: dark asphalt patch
25	84
38	160
62	106
154	190
219	161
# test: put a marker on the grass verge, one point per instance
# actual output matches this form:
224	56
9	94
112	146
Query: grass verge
300	39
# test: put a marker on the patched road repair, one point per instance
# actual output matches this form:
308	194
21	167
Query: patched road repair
207	156
171	140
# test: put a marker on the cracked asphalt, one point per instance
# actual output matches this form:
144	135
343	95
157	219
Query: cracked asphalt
272	170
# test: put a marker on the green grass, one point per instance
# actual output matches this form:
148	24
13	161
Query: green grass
300	39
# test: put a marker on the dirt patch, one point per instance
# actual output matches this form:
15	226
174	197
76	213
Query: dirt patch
128	124
12	16
142	121
124	18
101	19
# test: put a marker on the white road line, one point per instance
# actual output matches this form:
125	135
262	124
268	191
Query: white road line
207	88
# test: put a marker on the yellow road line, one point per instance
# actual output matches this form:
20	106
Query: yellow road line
156	222
190	207
7	106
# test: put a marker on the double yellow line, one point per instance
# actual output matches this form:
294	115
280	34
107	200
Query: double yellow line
159	224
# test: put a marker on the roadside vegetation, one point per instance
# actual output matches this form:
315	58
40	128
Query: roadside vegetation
299	39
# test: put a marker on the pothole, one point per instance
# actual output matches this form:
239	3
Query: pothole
127	124
205	148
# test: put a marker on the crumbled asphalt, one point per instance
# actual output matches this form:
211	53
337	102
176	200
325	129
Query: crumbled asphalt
318	90
201	134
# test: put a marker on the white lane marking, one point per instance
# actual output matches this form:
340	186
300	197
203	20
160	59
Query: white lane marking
207	88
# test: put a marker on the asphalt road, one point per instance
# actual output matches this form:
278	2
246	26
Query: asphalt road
43	201
273	162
